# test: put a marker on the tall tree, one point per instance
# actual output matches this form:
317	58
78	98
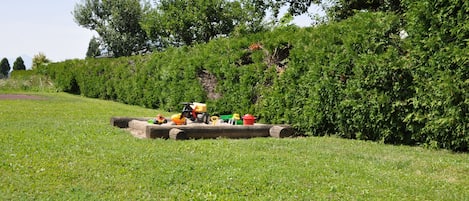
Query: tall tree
19	64
181	22
117	22
5	67
93	48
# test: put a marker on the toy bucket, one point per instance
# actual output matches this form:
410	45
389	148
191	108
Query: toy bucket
248	119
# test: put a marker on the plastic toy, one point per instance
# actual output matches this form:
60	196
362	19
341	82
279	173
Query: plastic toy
159	119
178	119
196	112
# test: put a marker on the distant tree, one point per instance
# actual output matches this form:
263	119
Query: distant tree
93	48
117	23
19	64
40	59
4	67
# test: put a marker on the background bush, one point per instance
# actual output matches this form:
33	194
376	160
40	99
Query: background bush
356	78
27	80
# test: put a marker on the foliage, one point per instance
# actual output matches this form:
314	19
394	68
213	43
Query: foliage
439	31
295	8
94	49
343	9
352	83
62	147
129	27
117	23
336	9
39	60
19	64
4	67
179	22
27	80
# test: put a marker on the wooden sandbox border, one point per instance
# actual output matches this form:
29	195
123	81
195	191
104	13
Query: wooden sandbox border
200	131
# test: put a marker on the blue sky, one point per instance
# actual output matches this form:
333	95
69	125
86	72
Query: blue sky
32	26
29	27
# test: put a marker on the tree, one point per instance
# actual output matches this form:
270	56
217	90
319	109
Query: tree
39	60
19	64
295	8
117	23
181	22
342	9
4	67
93	48
336	9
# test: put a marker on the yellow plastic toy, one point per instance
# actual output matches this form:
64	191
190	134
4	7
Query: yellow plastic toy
178	119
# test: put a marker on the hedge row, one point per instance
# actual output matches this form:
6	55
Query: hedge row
439	57
357	79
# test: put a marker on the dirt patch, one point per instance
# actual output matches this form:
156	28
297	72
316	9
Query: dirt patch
209	83
19	97
279	57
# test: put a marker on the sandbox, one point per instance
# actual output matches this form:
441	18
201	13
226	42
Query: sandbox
139	127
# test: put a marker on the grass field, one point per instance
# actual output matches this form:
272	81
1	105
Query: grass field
62	147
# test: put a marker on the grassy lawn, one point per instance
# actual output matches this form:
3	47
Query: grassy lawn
62	147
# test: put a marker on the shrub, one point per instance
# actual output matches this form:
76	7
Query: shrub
438	30
28	80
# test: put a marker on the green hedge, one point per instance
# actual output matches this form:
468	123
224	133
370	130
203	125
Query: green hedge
349	79
439	33
356	79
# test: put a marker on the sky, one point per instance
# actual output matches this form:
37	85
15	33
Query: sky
30	27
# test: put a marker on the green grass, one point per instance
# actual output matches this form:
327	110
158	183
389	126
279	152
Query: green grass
63	148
